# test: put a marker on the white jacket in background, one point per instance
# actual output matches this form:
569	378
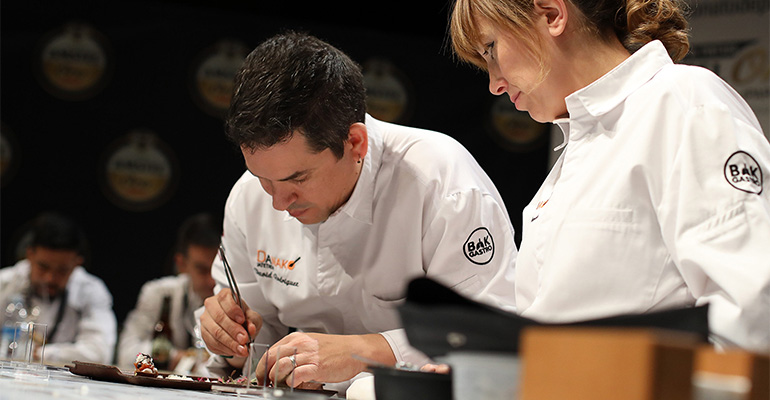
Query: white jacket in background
139	326
88	328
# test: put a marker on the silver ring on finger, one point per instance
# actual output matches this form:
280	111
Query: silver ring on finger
293	361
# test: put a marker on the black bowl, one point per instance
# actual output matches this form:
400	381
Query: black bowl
397	384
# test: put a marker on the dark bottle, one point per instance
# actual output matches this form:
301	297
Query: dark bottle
161	341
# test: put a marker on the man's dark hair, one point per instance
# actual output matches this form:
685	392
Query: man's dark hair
296	82
199	230
56	232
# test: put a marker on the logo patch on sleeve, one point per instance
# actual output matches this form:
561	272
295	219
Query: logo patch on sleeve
480	247
743	173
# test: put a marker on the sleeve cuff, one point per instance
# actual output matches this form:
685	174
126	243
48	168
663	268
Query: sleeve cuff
402	350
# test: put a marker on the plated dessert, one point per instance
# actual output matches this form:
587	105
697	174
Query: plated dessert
145	365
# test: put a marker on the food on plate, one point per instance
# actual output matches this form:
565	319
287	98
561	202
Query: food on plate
179	377
145	365
229	380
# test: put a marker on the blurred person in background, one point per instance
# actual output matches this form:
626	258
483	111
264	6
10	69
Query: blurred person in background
196	246
51	287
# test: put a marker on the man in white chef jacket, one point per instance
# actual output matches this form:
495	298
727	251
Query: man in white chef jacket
54	289
337	213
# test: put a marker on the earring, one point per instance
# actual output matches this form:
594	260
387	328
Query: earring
359	161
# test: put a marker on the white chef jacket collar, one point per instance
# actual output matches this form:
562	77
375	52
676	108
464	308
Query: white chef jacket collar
563	124
359	205
614	87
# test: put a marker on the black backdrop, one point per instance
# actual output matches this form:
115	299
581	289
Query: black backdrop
59	144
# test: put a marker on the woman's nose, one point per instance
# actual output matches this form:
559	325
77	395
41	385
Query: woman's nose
497	84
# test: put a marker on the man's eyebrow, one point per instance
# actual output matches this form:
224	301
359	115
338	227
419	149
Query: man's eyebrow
294	175
288	178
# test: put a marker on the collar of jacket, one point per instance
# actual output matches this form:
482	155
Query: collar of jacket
607	92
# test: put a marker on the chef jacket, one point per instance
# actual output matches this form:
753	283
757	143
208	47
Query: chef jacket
656	202
86	329
139	326
422	206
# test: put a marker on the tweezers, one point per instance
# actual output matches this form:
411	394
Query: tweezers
234	287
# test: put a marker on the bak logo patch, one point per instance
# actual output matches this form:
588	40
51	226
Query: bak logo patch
743	173
479	248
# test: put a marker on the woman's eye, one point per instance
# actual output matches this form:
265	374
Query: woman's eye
488	49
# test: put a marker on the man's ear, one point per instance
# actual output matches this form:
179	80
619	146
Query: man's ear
358	140
554	13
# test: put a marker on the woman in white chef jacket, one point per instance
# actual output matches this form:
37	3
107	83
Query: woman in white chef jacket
658	199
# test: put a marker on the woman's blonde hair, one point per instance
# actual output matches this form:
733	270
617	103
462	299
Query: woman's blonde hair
515	16
634	22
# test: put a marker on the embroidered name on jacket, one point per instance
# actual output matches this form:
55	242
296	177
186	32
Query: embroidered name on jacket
267	267
743	172
479	248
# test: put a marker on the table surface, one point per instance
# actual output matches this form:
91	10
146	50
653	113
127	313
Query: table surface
17	383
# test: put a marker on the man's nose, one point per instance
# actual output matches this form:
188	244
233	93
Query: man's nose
47	276
210	282
283	193
283	196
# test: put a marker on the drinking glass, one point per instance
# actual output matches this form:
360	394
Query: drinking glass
257	360
28	337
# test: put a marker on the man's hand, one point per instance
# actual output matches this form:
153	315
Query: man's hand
222	325
327	358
